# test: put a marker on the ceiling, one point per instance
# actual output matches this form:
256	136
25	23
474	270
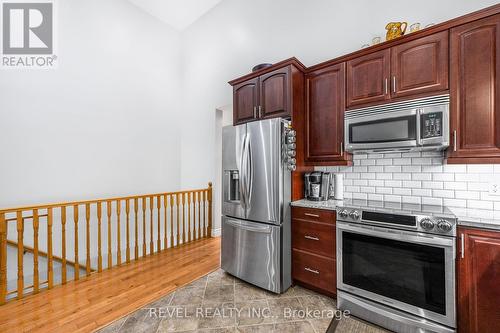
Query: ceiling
176	13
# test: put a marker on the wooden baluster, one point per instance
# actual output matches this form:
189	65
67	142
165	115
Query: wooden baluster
199	233
151	244
99	237
118	235
87	219
50	260
127	212
183	218
165	235
144	226
77	265
178	218
209	234
3	259
190	235
158	206
20	254
172	221
36	279
63	240
136	246
110	254
204	214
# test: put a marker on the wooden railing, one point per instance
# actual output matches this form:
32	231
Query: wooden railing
180	217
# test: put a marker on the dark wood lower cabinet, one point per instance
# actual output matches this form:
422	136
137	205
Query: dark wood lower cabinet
478	268
313	249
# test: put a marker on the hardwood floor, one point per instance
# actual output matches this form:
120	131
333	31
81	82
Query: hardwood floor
93	302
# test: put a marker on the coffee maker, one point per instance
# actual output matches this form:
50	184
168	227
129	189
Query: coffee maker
317	185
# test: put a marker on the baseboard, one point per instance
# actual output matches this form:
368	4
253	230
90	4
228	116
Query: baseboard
216	232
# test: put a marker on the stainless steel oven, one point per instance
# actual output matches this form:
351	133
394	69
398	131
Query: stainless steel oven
416	125
397	270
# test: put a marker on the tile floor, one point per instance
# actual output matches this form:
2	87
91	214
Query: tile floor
220	303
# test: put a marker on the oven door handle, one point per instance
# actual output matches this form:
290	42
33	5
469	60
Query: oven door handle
404	236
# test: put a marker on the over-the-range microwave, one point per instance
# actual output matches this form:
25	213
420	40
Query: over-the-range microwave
415	125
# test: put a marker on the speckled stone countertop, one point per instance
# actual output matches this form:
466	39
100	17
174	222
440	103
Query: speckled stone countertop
467	217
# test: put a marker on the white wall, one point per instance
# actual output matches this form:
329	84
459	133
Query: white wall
105	122
237	34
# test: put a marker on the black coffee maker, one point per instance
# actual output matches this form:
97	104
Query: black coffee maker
317	185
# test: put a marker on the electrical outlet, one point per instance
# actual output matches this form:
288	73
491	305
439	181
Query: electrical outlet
494	188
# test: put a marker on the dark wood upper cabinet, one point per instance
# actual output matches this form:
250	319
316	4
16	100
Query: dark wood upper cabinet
325	103
245	99
478	266
475	92
420	66
268	95
274	94
368	78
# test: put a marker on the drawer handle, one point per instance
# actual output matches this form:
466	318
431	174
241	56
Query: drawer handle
311	238
311	270
311	215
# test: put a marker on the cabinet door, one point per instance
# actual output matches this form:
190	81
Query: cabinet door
274	94
325	114
368	79
245	101
420	66
479	282
475	93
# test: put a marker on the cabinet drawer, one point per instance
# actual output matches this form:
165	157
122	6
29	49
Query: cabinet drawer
314	270
314	237
314	215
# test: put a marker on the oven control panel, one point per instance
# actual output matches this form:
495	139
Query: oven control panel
418	223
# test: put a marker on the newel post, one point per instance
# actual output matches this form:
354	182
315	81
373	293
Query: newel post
3	259
210	203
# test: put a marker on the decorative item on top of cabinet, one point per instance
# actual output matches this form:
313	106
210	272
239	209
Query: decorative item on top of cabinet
324	121
268	92
314	250
475	92
395	30
478	266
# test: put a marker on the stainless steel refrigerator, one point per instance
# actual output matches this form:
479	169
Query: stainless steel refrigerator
256	237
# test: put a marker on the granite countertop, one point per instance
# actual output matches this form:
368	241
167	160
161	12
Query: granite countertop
477	218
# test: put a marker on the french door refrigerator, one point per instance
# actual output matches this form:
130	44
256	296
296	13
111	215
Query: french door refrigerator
256	236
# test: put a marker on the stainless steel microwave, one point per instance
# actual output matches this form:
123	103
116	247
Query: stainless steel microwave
415	125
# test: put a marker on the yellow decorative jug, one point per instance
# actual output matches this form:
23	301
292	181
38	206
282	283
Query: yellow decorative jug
395	29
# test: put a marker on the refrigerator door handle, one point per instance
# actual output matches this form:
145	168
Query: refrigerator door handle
253	228
249	172
243	174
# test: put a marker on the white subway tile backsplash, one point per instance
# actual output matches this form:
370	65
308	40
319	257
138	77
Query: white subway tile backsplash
392	198
432	185
480	168
432	201
479	204
402	191
419	178
384	190
401	176
455	203
392	168
443	177
443	194
412	200
422	176
412	184
421	192
402	161
393	183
